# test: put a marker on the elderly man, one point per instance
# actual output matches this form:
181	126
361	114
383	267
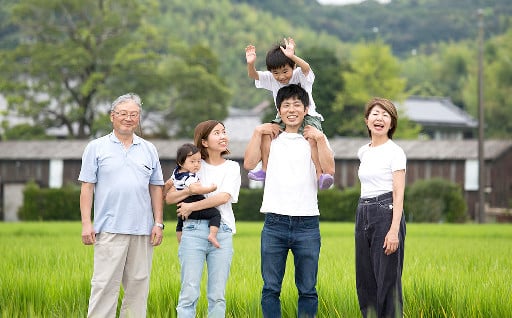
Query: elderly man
122	172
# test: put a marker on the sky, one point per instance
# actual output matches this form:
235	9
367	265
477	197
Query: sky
343	2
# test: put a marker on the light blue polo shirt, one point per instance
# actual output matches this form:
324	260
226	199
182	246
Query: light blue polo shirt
122	203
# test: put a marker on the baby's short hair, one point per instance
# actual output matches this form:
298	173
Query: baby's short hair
185	151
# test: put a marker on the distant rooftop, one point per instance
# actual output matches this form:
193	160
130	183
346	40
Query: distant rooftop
344	148
436	111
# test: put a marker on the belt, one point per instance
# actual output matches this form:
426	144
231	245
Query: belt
378	198
289	217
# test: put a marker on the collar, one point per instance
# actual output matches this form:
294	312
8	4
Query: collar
136	139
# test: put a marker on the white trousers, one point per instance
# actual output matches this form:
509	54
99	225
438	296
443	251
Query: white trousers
120	259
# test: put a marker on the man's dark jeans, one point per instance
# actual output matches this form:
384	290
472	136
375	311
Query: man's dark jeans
301	235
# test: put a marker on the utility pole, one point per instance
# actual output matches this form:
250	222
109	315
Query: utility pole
481	159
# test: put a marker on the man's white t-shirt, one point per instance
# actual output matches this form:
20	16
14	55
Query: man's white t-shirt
291	184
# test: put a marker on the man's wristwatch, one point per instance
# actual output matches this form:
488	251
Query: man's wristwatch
160	225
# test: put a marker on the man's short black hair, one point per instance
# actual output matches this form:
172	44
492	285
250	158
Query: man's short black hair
290	91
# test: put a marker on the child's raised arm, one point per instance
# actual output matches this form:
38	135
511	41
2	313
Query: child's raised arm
250	56
289	51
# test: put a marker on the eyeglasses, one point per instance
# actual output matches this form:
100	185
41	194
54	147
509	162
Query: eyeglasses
124	114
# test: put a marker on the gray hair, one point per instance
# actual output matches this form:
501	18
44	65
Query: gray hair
126	98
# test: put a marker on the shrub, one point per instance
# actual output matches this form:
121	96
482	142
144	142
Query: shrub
49	204
435	200
248	206
43	204
337	205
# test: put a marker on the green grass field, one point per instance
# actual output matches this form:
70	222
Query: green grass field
450	271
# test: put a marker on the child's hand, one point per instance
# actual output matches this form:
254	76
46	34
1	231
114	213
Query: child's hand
289	48
273	130
213	187
312	133
250	54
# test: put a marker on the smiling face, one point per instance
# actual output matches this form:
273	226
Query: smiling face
381	116
283	74
125	118
378	121
217	140
292	112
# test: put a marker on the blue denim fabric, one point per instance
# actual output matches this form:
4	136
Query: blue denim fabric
193	251
378	276
301	235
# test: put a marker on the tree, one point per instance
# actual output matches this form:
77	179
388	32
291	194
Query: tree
8	38
328	83
420	69
74	56
24	132
497	80
198	93
373	72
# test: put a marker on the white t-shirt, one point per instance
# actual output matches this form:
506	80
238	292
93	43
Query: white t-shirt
227	178
267	81
290	184
376	168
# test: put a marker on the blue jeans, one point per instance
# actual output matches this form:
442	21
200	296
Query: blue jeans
378	276
193	251
301	235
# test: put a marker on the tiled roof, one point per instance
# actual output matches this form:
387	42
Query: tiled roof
436	111
344	148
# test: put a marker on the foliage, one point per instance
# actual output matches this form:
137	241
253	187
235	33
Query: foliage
198	93
74	63
248	206
49	204
8	31
336	205
406	129
451	69
328	82
55	204
69	62
443	72
435	200
497	87
373	72
77	65
227	27
24	132
420	22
